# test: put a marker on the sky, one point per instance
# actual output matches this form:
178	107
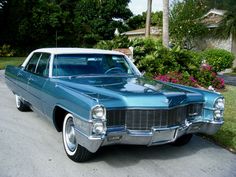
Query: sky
139	6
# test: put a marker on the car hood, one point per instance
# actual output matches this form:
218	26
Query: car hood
121	91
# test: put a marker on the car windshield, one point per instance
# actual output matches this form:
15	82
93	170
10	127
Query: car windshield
90	64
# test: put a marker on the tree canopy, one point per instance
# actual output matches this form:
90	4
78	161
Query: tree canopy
31	24
138	21
228	5
185	22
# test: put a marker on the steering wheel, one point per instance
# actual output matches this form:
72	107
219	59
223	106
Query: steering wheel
114	70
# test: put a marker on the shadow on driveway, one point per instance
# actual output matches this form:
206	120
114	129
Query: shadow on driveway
127	155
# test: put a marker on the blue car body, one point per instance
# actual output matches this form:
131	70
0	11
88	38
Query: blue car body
138	110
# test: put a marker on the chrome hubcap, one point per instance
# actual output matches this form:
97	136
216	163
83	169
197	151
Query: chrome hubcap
70	138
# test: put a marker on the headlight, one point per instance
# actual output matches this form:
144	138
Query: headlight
99	128
220	104
219	108
99	112
99	120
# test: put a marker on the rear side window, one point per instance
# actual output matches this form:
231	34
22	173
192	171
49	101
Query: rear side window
43	65
31	66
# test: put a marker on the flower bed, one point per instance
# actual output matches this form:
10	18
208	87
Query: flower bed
205	78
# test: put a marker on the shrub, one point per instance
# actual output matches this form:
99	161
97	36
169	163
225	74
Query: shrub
6	51
204	78
208	77
158	62
219	59
179	78
165	60
144	47
118	42
175	65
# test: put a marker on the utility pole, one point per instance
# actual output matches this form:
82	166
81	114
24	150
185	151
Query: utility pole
148	18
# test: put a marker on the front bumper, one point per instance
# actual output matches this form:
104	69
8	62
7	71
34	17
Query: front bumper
120	135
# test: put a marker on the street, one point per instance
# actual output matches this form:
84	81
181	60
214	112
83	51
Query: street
31	147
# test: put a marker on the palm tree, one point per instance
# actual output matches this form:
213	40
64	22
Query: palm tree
165	29
148	18
227	29
227	26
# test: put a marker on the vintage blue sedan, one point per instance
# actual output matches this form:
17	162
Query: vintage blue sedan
99	98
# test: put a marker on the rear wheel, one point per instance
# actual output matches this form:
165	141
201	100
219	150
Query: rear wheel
182	140
73	150
21	106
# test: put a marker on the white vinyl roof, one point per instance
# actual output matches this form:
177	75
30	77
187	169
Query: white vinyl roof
76	51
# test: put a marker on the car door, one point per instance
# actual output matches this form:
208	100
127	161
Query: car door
37	80
24	75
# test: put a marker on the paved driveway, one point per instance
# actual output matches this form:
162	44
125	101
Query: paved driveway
31	147
230	80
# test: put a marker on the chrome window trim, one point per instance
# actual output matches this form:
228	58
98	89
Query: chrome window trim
51	65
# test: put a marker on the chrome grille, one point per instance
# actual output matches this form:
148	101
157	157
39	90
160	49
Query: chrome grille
142	119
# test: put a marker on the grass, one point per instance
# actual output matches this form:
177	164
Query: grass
230	74
226	136
4	61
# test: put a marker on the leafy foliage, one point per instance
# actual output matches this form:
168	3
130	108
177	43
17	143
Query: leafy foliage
185	22
174	65
205	77
227	25
144	47
32	24
178	78
96	20
118	42
138	21
6	51
164	60
219	59
220	4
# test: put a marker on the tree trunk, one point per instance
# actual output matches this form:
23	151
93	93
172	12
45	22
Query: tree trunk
148	18
165	29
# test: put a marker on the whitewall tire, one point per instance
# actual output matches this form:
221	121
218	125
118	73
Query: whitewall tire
20	104
73	150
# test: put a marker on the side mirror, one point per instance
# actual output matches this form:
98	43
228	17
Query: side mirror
143	72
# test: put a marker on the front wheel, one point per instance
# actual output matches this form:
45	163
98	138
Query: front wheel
183	140
73	150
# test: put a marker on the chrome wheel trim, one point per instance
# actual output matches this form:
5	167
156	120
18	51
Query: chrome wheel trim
69	136
18	101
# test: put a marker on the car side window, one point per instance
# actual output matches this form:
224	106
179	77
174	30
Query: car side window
31	66
43	65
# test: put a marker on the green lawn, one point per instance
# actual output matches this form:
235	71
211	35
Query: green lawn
4	61
231	74
226	136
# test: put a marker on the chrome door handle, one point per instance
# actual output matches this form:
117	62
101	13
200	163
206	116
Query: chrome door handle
31	79
19	74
